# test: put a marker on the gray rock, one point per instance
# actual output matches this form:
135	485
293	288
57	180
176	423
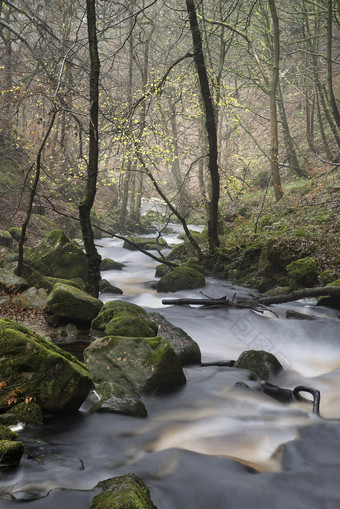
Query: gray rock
115	398
262	364
187	350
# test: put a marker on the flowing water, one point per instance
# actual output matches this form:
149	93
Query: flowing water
208	445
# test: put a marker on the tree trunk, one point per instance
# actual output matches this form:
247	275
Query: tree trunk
330	90
290	150
86	204
274	140
210	126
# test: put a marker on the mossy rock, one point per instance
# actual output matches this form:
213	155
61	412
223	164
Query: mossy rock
108	264
181	278
279	290
115	398
186	349
38	369
125	492
181	252
262	364
114	309
131	326
141	364
66	301
326	277
331	301
5	238
57	256
29	413
291	314
147	243
106	287
10	453
303	272
15	232
162	270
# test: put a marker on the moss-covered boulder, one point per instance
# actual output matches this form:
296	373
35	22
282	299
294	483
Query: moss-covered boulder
35	368
66	301
115	398
142	364
186	349
262	364
108	264
35	278
125	492
114	309
303	272
5	238
29	413
57	256
11	450
131	326
147	243
106	287
181	278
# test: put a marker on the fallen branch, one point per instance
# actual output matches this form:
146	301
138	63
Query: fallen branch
320	291
324	291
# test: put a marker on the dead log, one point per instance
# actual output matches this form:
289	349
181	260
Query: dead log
320	291
324	291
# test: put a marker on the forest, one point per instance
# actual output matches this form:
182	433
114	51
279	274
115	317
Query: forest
226	111
186	146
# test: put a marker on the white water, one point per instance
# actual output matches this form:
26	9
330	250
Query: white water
194	447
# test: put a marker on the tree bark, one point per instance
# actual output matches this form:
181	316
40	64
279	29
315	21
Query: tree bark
274	159
210	126
330	90
86	204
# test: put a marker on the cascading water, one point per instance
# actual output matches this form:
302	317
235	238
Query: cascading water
208	445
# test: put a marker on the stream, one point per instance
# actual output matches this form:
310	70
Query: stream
207	445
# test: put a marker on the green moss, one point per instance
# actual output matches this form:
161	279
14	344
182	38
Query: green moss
181	278
145	243
10	453
108	264
67	301
125	492
303	272
39	369
57	256
7	434
28	413
114	309
131	326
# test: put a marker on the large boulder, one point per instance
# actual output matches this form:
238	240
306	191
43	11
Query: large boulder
57	256
66	301
262	364
143	364
125	492
115	398
186	349
35	368
116	309
303	272
181	278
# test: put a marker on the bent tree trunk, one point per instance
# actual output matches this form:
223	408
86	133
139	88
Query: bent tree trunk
210	123
85	206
